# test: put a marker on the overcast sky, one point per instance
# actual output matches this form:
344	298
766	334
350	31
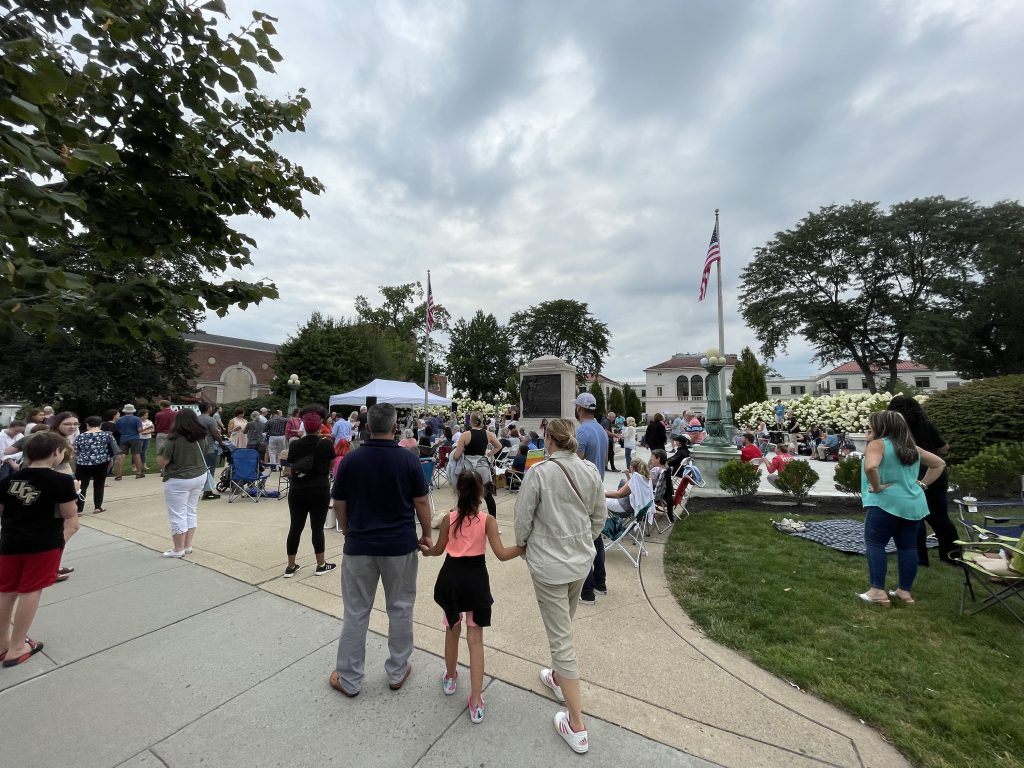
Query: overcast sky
528	151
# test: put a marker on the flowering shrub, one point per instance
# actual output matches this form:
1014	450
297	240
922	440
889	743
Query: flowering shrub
465	405
843	413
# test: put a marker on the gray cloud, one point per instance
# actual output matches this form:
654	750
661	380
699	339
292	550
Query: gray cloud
529	151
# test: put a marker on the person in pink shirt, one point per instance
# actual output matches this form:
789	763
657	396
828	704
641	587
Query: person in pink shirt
462	586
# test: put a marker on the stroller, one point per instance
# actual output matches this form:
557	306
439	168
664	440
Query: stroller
224	481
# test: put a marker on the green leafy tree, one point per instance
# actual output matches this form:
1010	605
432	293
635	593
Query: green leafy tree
976	329
616	403
631	403
88	377
332	356
978	414
563	328
598	393
401	321
133	134
854	280
480	357
748	381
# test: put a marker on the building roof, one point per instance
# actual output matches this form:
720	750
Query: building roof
601	378
228	341
902	365
688	360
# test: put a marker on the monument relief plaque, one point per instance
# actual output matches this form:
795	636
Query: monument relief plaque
542	396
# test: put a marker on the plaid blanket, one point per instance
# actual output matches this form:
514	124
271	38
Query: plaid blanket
843	535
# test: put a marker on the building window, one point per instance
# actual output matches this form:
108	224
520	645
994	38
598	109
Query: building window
922	382
659	391
952	384
682	388
776	390
863	383
643	393
842	384
696	387
211	360
797	390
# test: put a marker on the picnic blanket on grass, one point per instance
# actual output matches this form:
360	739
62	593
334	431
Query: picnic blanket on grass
843	535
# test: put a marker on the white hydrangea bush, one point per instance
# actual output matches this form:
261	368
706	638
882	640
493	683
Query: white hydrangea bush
840	412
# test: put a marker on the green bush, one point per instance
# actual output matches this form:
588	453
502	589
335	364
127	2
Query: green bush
847	475
979	414
993	473
796	479
740	478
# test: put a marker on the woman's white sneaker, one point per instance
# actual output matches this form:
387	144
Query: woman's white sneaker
577	740
174	553
548	678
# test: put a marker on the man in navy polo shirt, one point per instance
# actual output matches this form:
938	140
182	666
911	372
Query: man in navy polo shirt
379	493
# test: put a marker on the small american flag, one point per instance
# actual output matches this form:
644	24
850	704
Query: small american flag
714	254
430	306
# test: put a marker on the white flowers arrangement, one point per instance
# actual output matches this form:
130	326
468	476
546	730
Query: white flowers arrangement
465	405
840	412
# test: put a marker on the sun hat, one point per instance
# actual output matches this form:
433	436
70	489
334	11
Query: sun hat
128	408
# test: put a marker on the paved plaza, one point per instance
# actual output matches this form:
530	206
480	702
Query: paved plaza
217	660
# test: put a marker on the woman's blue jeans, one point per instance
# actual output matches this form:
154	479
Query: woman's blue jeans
879	527
629	456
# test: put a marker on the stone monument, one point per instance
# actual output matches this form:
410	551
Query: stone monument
547	390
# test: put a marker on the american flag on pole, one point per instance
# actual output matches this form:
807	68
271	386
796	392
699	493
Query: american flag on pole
430	306
714	254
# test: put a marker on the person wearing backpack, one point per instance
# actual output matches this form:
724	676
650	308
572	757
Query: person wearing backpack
309	496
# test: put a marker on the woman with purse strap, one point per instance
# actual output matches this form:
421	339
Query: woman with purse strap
559	512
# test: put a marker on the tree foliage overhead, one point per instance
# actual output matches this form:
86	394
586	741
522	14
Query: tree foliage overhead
616	402
88	377
401	321
748	381
333	356
563	328
633	406
858	282
480	357
131	132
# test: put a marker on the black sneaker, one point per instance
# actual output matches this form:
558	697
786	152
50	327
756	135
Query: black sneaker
587	600
207	495
601	591
290	570
325	568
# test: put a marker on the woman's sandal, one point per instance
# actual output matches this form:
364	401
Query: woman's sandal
905	600
34	646
869	599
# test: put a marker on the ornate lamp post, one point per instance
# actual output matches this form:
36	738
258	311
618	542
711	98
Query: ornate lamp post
293	385
717	448
713	363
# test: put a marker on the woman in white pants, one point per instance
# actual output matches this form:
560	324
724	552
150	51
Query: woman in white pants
182	462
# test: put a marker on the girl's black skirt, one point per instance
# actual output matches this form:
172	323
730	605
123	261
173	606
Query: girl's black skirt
463	585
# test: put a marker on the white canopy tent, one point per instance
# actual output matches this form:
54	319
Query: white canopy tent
403	393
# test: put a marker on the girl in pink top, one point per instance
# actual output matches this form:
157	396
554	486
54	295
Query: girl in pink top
463	587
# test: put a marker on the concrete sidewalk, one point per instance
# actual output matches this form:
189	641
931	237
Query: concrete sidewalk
248	681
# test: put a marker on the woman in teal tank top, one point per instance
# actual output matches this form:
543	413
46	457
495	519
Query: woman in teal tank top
894	502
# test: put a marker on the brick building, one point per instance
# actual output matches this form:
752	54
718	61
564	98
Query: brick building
231	369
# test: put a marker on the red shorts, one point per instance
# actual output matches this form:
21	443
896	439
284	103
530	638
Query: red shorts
29	573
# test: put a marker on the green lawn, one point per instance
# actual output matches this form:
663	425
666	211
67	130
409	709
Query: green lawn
946	690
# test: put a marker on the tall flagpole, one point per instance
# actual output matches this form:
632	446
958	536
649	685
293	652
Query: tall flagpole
426	374
718	273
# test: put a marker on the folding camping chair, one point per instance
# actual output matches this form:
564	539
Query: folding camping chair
985	520
247	477
996	576
632	533
690	476
440	475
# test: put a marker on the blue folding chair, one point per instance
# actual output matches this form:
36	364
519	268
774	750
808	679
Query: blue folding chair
246	477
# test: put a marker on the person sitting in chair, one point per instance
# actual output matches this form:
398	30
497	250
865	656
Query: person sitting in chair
829	445
518	468
750	451
634	492
779	461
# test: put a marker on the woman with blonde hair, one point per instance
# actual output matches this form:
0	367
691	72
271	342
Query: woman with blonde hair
559	513
894	501
473	444
634	492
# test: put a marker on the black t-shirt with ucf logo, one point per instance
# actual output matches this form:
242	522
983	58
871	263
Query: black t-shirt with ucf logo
30	521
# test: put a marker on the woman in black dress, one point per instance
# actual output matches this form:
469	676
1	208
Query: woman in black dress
928	437
656	437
